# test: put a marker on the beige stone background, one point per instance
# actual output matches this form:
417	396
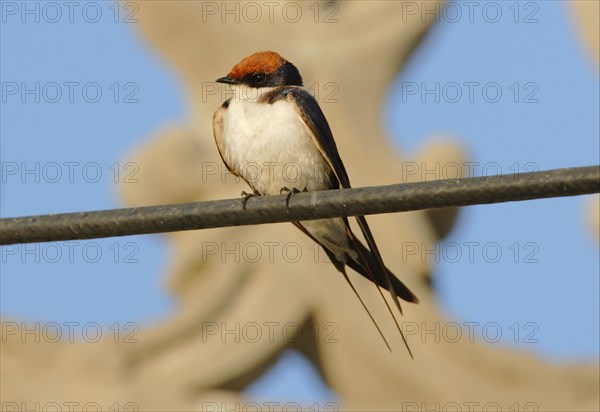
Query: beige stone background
177	365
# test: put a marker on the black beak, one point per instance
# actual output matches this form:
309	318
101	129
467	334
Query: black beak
227	80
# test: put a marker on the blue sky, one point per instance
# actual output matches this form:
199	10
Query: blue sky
73	149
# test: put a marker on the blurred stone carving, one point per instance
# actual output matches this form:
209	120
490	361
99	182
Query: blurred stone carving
184	363
587	15
593	216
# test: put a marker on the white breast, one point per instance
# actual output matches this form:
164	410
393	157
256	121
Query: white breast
270	146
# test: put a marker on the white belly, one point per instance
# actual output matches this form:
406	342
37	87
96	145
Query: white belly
270	147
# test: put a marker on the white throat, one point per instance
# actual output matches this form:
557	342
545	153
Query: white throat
244	93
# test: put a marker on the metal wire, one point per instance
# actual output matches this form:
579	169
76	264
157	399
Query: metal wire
302	206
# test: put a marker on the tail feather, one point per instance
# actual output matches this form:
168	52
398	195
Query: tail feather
343	271
379	269
400	289
369	264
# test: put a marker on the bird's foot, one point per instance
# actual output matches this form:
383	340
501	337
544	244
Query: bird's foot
290	193
246	196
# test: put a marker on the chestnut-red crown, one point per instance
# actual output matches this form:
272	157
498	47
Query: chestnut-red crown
263	69
266	62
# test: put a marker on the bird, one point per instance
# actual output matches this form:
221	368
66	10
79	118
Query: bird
272	133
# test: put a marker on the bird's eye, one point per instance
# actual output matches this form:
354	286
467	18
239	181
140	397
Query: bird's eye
259	79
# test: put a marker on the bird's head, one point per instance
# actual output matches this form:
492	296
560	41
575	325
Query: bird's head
263	69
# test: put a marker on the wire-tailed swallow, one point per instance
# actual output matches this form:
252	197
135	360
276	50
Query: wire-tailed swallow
273	134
